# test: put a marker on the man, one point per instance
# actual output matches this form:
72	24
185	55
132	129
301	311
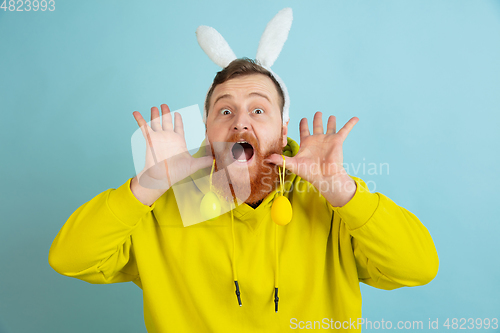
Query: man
340	233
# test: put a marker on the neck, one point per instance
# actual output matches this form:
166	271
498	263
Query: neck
255	204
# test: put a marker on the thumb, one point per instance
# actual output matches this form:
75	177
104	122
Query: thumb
275	159
278	160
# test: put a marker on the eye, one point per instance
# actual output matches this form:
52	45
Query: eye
225	111
258	111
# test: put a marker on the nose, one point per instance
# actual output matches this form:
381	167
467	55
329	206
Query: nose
241	122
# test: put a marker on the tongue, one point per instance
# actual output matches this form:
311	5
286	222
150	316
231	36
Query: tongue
248	153
239	152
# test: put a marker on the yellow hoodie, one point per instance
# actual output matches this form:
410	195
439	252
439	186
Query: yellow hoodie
186	273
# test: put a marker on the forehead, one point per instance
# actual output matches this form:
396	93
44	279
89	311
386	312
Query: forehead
243	86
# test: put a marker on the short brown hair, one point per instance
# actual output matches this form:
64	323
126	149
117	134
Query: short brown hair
242	67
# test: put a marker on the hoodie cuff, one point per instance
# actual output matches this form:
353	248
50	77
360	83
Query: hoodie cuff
360	208
125	205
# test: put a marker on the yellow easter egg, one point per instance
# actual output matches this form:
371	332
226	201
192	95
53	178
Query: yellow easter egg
210	206
281	211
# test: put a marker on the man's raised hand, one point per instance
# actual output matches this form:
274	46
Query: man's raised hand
320	159
167	157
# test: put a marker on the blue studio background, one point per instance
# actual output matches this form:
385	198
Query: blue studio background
423	77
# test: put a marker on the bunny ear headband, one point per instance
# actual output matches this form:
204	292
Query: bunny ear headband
270	45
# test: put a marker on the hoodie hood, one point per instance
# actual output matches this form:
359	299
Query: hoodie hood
291	148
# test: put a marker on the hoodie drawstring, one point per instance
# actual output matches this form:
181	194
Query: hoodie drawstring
276	252
276	265
233	260
276	268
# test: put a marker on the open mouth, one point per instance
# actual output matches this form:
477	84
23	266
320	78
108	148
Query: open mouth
242	151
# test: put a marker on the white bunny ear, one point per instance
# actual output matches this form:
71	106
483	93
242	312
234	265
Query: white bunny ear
214	45
274	37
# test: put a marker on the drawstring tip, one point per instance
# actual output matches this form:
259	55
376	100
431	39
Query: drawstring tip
238	292
276	300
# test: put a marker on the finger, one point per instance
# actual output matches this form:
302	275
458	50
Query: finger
277	159
166	117
179	126
143	125
318	123
331	126
304	129
344	131
155	119
138	117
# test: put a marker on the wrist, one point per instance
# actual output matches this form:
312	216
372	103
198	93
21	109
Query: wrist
145	195
340	189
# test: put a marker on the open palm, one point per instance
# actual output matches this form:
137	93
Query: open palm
320	156
167	156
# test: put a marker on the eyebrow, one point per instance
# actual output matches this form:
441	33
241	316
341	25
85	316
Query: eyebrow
251	94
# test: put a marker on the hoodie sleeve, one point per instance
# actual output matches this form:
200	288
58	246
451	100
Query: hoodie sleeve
391	246
95	243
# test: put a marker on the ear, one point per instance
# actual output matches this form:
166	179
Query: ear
285	133
206	136
206	142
